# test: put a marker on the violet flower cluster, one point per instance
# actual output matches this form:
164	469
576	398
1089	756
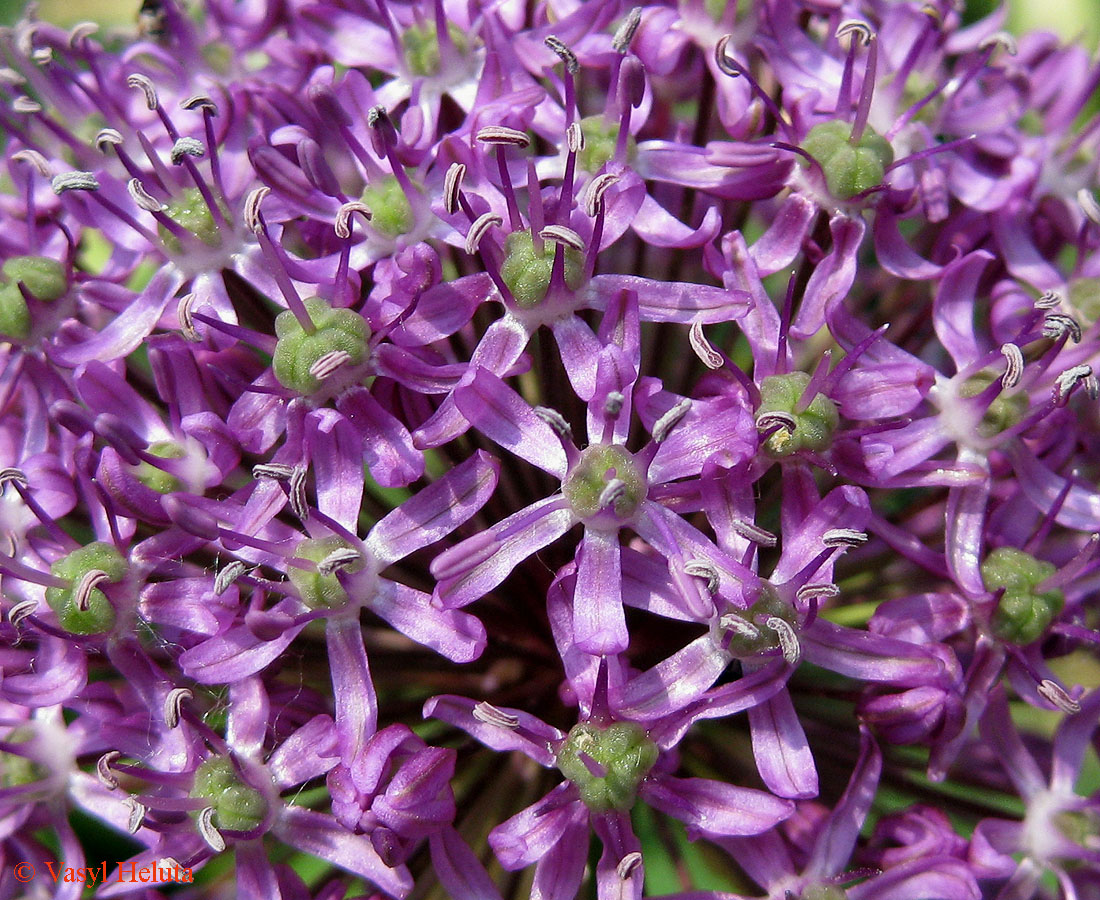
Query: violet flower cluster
550	449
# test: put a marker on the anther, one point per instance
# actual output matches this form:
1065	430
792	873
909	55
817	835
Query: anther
738	626
20	611
10	77
278	471
9	474
501	135
328	363
1057	324
844	537
103	769
670	420
701	568
209	833
724	63
574	138
709	357
1048	300
628	865
35	160
26	105
555	420
200	101
297	493
81	31
1056	694
86	585
43	56
593	196
855	28
1065	383
560	234
1001	39
1014	365
752	532
107	137
173	705
143	84
342	225
169	862
491	715
1087	201
624	34
186	146
187	324
613	491
228	574
566	55
817	590
74	181
479	229
452	185
137	814
775	421
340	558
788	639
613	403
143	198
252	207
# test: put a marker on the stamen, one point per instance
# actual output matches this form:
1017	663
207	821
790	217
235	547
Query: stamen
1065	383
186	146
187	323
1014	365
702	568
143	84
863	108
143	198
107	137
670	420
103	769
327	364
1048	300
738	627
501	135
87	584
613	491
771	422
789	645
74	181
342	225
754	533
200	101
560	234
724	63
1056	694
595	768
613	404
844	537
856	29
817	590
628	865
555	420
209	833
567	56
1087	201
298	504
80	32
1057	324
479	229
452	185
624	34
703	348
1001	39
36	161
574	138
593	196
20	611
9	474
278	471
173	705
491	715
228	574
137	814
252	208
26	105
340	558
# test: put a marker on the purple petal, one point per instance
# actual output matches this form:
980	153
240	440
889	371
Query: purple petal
449	632
713	808
832	277
460	872
783	757
953	308
868	657
672	301
308	752
234	655
335	452
532	736
385	441
530	834
599	625
672	683
353	690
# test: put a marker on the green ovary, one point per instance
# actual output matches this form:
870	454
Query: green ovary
767	606
1084	295
297	350
391	212
1005	411
100	615
43	277
600	138
814	426
588	478
319	591
623	751
1024	613
526	271
850	168
191	212
237	807
15	317
421	46
157	479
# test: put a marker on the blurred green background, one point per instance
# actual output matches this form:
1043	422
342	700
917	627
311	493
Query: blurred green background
1072	19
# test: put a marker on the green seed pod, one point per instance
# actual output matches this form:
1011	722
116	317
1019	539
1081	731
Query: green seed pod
297	350
99	616
1024	614
622	750
590	475
391	212
850	168
43	277
237	807
527	272
814	426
